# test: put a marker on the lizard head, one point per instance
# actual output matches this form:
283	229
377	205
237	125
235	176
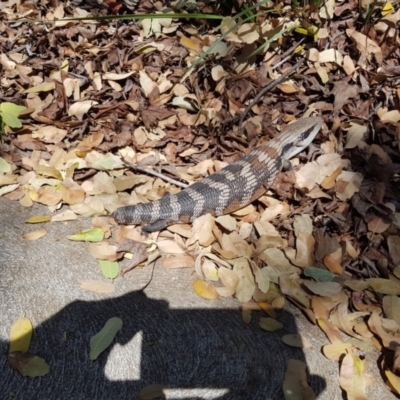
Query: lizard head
298	136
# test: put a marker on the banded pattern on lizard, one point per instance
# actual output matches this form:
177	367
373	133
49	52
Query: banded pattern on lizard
229	189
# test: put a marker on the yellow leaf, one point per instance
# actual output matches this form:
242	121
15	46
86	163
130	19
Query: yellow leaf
37	219
205	290
387	9
20	335
394	381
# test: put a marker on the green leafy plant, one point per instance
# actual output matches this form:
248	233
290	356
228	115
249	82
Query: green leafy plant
9	113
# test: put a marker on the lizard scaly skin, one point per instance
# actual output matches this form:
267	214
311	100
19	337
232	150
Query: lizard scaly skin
229	189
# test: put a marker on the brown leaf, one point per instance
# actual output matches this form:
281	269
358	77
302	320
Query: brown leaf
295	385
335	351
333	265
290	285
178	261
97	286
330	330
35	234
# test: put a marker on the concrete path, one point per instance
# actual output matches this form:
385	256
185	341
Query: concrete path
171	337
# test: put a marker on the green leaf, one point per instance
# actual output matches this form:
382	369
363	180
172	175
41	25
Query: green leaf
91	235
320	275
4	166
9	113
20	335
270	324
110	269
103	339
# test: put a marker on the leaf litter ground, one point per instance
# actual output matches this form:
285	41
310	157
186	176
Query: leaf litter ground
101	94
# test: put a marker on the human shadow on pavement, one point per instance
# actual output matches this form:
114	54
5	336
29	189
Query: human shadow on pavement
196	353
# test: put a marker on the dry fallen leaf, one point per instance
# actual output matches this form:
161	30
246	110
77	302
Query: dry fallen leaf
351	377
295	385
205	290
35	235
97	286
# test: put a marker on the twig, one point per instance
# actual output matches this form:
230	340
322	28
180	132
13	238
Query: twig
153	173
268	88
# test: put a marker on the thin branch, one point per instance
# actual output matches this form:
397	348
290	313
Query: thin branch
150	171
268	88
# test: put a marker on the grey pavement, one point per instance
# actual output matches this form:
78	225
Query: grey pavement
196	348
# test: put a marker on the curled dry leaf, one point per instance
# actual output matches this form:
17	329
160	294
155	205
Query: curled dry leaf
335	351
351	377
330	330
375	324
341	318
210	270
394	381
89	235
80	108
229	279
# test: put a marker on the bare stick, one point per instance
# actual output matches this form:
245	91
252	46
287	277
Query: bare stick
268	88
150	171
